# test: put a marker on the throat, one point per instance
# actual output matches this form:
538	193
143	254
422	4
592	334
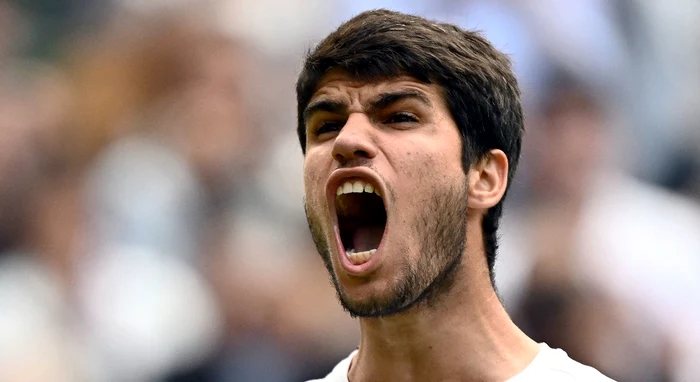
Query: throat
361	221
439	344
367	237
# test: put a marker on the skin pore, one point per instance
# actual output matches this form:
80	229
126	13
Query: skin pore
426	305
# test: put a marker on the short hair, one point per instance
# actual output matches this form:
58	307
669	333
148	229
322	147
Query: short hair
476	81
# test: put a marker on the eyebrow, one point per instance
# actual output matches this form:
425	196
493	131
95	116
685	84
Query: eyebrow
331	106
387	99
382	101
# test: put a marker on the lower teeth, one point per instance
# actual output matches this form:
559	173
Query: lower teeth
360	257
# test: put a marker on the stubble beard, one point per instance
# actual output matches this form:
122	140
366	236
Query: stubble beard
440	227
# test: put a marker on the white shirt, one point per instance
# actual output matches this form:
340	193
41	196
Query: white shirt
550	365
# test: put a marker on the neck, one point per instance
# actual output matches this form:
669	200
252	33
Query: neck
464	336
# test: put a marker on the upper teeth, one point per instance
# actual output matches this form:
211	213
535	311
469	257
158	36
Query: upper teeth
357	186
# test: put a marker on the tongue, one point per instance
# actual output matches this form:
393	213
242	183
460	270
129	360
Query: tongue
367	237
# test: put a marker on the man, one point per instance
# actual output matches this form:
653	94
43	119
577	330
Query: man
411	131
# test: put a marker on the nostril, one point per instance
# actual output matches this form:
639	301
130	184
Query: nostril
356	154
340	158
361	153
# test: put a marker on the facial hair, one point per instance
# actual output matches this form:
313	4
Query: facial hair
440	227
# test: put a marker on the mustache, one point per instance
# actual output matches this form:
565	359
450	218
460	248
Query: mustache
353	163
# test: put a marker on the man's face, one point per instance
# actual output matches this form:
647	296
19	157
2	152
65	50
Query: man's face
386	195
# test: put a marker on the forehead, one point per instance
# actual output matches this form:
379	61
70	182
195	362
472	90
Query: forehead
343	87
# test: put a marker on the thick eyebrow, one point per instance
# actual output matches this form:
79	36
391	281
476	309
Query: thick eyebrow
387	99
327	105
382	101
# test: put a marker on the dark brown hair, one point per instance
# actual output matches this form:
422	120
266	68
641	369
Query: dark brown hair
476	80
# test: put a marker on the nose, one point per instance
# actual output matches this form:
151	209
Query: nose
355	140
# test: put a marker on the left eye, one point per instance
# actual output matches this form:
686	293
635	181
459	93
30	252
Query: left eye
402	118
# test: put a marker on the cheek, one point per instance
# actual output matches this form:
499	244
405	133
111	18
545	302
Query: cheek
452	150
313	182
432	163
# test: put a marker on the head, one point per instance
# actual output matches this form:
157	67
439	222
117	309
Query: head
410	129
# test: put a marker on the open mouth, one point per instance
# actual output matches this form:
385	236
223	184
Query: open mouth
361	219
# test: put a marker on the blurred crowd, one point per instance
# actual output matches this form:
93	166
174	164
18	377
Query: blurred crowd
151	216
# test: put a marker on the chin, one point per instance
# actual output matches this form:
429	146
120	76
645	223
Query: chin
371	297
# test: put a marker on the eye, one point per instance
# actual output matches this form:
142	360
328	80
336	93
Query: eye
329	127
402	117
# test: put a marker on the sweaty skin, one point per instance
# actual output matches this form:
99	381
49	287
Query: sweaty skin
411	149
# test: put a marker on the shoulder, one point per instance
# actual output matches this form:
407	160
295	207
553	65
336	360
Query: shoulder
555	365
339	372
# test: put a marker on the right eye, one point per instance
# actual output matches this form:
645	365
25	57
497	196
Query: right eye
329	127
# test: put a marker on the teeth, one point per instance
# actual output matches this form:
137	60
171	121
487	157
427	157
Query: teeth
358	187
360	257
347	188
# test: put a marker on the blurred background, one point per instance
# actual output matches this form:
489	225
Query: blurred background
151	220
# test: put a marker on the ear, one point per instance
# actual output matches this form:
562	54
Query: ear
488	180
